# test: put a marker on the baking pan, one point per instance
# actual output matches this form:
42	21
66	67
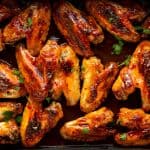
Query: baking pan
53	139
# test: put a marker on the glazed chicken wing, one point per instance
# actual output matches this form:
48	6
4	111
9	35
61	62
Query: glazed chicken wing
10	85
138	123
114	18
11	108
37	122
78	28
38	71
33	24
69	64
9	132
97	80
91	127
135	75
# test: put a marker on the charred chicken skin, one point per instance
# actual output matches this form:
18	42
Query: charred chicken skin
97	80
10	86
33	24
138	122
78	28
38	71
91	127
135	75
37	121
114	18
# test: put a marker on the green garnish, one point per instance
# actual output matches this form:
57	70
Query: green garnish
18	119
123	136
146	31
111	20
117	48
28	24
8	115
19	75
138	28
17	88
85	131
48	99
126	61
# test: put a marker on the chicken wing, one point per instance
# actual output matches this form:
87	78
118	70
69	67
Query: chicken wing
9	110
135	75
78	28
138	122
33	24
114	18
91	127
9	132
38	71
37	122
10	85
69	64
97	80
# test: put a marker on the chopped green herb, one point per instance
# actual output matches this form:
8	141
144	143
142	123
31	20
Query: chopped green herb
126	61
85	131
123	136
138	28
8	115
29	21
21	79
146	31
18	119
48	99
111	20
16	72
17	88
19	75
117	49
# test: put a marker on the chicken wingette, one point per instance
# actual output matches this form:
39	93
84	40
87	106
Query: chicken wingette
10	82
78	28
33	24
114	18
135	75
38	71
91	127
97	80
9	132
69	64
138	123
36	121
10	110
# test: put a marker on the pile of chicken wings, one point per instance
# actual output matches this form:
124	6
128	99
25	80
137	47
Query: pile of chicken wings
48	69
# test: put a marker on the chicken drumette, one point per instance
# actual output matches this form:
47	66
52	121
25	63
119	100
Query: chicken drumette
135	75
138	122
78	28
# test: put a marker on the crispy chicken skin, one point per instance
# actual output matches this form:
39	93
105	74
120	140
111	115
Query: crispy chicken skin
69	64
134	118
113	18
37	122
91	127
135	75
9	132
138	122
97	80
5	13
33	24
10	86
38	71
13	107
78	28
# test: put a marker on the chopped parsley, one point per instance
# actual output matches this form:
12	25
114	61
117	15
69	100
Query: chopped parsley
123	136
17	88
8	115
18	119
19	75
126	61
48	99
117	48
85	131
28	23
142	30
146	31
